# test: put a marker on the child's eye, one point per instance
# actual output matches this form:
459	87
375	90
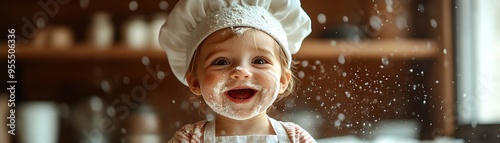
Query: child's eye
259	61
221	61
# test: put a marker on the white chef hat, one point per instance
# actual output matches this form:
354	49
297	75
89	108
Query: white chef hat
191	21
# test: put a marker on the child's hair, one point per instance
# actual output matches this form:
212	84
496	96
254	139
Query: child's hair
228	33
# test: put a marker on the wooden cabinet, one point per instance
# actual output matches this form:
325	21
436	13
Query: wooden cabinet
348	86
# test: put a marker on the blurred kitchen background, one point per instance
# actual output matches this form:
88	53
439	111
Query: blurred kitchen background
371	71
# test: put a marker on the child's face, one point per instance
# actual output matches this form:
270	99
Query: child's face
239	77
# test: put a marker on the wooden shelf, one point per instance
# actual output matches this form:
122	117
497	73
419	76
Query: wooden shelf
403	48
311	48
117	52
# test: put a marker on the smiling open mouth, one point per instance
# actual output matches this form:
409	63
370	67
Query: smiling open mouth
241	95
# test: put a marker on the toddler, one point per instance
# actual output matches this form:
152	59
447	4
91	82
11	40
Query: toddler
235	55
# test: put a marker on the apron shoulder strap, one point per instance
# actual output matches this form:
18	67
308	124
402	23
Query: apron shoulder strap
280	131
209	133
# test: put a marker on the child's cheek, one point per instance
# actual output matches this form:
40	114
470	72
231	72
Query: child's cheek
273	85
212	87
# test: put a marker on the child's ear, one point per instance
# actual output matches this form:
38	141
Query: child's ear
193	83
284	81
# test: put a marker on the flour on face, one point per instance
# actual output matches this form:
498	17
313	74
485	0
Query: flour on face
219	102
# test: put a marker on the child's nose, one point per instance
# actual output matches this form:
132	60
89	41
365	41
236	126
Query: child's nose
241	73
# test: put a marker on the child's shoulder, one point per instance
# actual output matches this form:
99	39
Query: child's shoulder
291	127
297	133
198	126
190	132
